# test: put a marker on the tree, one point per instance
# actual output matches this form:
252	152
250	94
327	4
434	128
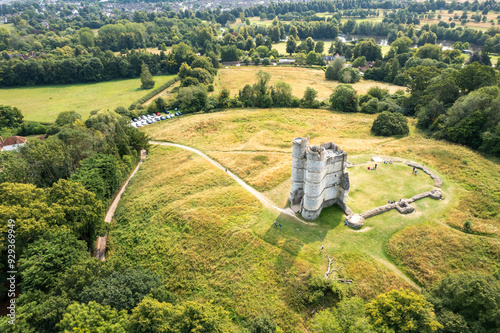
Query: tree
312	58
152	316
390	123
474	76
309	44
378	92
48	257
344	98
320	47
403	311
67	118
369	49
467	302
300	58
192	99
291	45
333	70
99	174
401	45
282	94
86	37
349	75
266	61
83	212
93	317
10	117
430	51
309	97
229	53
122	290
347	317
147	81
359	62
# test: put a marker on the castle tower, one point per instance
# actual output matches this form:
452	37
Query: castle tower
319	177
298	170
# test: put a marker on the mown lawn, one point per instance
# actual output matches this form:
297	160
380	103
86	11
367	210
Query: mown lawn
235	78
44	103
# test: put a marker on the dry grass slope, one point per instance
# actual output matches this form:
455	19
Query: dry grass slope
211	240
235	78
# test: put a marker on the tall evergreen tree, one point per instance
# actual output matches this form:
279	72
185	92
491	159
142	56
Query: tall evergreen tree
147	81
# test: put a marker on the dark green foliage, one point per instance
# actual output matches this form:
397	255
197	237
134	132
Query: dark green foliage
99	174
31	127
229	53
122	290
262	324
309	99
388	123
467	302
344	98
333	70
123	111
359	62
281	94
369	49
10	117
67	118
48	257
370	107
192	99
189	81
475	76
266	61
147	81
378	92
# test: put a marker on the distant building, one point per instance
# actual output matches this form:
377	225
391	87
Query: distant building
12	143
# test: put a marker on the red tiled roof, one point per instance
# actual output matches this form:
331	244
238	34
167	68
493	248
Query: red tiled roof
13	140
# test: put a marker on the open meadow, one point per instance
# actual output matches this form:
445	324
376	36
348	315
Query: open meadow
44	103
209	239
235	78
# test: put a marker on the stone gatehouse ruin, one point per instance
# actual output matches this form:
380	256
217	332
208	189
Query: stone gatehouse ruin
319	177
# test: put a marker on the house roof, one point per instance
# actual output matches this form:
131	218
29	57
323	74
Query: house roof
13	140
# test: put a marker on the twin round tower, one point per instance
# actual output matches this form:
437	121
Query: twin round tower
319	177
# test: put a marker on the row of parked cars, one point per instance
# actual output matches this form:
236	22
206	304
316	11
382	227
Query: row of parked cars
152	118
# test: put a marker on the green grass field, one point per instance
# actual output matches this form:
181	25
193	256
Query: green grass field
388	182
44	103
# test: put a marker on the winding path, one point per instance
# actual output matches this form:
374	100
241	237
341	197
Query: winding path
247	187
266	202
100	248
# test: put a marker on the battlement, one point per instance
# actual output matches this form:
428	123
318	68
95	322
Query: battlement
319	177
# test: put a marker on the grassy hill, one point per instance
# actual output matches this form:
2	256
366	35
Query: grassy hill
211	240
44	103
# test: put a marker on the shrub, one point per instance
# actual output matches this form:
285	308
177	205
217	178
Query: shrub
378	92
344	98
266	62
388	124
210	87
370	107
262	324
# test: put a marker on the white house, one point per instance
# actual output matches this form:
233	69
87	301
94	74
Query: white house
12	143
